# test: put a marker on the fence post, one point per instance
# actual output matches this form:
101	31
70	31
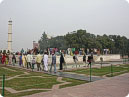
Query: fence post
101	64
101	59
90	73
123	60
3	85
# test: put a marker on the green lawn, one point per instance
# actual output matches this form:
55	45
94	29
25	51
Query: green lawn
31	83
30	80
117	70
9	73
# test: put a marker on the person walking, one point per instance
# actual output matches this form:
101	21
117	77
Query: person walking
84	60
45	60
24	60
20	60
38	61
61	61
89	60
29	59
10	59
7	59
33	63
65	62
75	59
53	63
13	60
3	58
0	58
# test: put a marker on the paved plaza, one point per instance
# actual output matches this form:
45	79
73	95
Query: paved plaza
111	87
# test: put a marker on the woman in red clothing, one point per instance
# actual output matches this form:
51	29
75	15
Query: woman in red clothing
3	59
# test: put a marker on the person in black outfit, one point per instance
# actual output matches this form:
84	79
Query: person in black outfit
13	59
89	60
84	59
61	61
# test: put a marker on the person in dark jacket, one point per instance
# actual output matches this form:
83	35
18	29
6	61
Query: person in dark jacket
13	59
84	59
89	60
61	61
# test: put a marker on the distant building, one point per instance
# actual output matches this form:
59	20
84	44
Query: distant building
35	45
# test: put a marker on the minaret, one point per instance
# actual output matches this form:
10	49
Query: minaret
10	35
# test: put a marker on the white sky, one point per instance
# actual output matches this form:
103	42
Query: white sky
57	17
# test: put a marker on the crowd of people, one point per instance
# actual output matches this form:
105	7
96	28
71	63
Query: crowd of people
29	61
41	61
6	59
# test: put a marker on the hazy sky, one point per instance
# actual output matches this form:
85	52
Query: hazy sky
57	17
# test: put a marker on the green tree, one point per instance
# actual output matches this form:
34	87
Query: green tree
43	42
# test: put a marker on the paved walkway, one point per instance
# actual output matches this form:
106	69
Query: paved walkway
71	75
111	87
76	76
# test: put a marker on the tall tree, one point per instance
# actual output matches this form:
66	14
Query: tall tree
43	42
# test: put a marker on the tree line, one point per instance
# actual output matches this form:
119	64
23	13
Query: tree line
82	39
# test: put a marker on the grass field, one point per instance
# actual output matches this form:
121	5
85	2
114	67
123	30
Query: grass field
27	82
21	81
104	71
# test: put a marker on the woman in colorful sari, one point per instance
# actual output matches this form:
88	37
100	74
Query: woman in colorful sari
24	61
6	59
20	60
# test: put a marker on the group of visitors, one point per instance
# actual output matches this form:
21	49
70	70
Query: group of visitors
6	58
29	61
41	61
89	60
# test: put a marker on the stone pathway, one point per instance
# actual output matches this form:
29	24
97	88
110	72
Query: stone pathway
59	79
76	76
111	87
71	75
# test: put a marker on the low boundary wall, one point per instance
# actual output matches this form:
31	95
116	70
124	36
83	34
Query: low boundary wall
69	59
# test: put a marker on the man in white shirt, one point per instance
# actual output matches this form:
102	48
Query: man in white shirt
45	59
